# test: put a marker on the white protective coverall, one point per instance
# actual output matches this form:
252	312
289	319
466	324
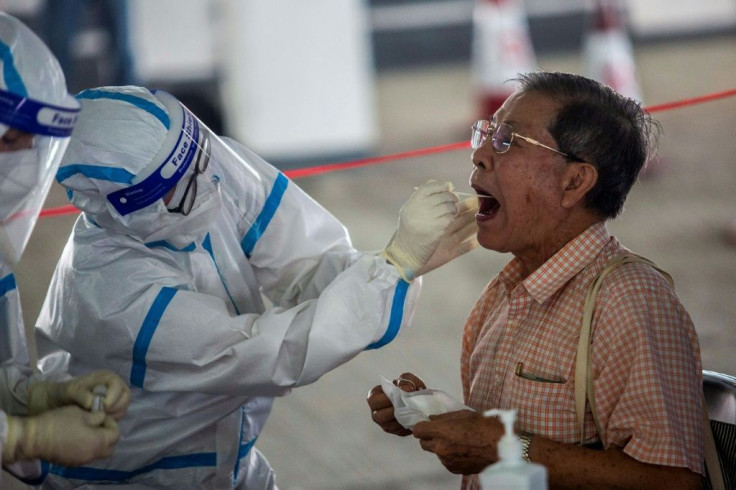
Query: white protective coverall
173	303
34	100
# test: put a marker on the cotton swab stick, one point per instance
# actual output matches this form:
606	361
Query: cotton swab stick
471	194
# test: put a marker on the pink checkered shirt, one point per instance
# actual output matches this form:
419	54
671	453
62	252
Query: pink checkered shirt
645	357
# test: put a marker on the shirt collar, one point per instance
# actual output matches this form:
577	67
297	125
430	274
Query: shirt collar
577	254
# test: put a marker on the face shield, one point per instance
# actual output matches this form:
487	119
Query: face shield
36	110
176	196
184	152
141	164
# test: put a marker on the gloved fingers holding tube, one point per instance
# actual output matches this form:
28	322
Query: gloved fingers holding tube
98	389
459	238
382	410
102	385
68	435
423	220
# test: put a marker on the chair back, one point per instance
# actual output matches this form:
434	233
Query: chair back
719	390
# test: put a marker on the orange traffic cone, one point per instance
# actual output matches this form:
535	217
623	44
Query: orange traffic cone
607	52
501	50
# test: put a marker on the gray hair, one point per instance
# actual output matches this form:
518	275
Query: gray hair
598	125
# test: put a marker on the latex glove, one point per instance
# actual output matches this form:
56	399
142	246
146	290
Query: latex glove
46	395
460	237
423	220
68	436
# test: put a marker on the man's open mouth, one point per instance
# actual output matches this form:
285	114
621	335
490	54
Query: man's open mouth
487	204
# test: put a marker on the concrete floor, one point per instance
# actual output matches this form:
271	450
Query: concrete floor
321	436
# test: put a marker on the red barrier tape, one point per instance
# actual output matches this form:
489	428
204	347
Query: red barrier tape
309	172
333	167
695	100
68	209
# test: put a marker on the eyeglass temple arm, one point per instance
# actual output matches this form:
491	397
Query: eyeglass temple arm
535	142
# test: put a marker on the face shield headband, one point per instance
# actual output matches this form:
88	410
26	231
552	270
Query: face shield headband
180	148
36	117
26	174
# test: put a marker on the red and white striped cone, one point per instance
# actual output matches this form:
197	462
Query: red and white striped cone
609	58
607	52
501	50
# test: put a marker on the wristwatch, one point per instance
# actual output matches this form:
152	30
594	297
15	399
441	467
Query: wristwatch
526	439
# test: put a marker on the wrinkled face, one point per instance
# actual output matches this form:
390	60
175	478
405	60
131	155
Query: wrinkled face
525	184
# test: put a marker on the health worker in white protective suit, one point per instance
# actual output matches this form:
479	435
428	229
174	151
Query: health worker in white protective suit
161	281
39	419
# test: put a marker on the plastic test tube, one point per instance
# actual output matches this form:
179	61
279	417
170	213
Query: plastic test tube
99	391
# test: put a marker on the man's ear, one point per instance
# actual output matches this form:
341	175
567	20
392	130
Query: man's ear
580	178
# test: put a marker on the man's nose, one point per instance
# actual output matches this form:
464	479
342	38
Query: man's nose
482	159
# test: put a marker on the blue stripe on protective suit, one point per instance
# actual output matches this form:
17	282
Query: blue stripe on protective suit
7	284
243	451
113	174
396	317
38	480
146	105
236	470
145	335
11	77
168	463
269	209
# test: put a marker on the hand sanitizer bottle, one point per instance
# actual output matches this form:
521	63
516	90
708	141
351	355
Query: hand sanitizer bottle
511	472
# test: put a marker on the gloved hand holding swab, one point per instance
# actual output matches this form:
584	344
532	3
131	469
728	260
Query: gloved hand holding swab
423	220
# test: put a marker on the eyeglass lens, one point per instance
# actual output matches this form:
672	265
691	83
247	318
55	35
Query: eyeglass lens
479	134
501	135
190	193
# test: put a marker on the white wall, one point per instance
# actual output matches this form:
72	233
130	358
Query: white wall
172	40
297	76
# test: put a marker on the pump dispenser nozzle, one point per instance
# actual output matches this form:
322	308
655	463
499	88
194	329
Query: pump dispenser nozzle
511	472
509	447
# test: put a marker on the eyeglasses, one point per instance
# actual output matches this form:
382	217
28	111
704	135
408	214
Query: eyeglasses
190	193
502	135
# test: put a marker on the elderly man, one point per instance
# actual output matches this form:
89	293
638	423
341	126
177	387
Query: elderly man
554	163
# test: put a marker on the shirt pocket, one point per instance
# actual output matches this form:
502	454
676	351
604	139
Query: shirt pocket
532	376
545	407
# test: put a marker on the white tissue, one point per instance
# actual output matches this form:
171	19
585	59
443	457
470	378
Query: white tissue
411	407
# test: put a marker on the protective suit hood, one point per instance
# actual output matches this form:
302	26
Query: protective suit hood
131	148
33	100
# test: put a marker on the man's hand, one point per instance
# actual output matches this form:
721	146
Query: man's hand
464	441
382	411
